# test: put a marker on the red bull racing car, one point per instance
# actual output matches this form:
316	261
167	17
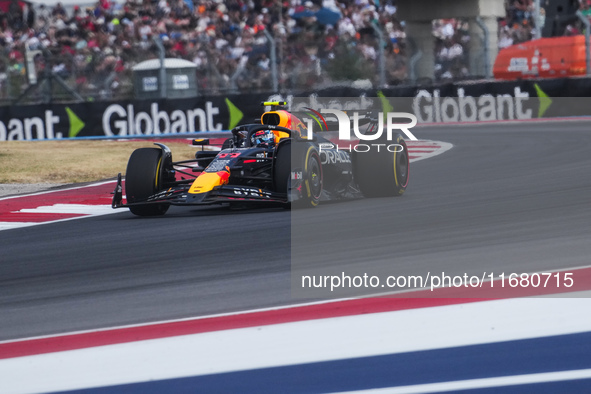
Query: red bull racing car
271	162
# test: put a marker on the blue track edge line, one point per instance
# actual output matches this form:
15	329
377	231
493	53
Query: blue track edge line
520	357
213	134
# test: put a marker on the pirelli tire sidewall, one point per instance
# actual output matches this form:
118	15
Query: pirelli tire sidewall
382	173
144	177
306	165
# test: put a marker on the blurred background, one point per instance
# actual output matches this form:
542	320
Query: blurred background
89	50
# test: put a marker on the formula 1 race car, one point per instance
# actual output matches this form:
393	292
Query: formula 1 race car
271	162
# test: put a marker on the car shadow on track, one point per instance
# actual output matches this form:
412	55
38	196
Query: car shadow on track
209	211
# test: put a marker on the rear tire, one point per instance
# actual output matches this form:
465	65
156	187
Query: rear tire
143	178
383	173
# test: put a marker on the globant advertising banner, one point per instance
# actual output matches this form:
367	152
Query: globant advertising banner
126	118
451	103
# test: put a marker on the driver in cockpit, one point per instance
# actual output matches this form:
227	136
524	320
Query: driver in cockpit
263	139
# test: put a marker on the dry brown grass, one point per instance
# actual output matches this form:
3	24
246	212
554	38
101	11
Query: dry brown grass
73	161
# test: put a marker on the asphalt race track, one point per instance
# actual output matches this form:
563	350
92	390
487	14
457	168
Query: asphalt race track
506	198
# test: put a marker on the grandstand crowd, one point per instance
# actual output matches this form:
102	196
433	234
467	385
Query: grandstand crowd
227	40
319	42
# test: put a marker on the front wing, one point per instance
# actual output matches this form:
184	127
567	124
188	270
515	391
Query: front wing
179	195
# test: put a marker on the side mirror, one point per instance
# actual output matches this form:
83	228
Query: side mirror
201	142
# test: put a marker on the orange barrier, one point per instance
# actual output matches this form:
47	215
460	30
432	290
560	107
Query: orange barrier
544	58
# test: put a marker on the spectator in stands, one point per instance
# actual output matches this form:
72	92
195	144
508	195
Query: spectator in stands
585	7
452	39
59	11
520	10
506	37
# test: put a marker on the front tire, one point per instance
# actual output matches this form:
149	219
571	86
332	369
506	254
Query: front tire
307	159
383	173
143	178
312	178
303	161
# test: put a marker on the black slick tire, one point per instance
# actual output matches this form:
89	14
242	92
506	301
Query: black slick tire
143	178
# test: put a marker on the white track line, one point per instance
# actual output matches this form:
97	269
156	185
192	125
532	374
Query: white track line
442	148
80	209
472	384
